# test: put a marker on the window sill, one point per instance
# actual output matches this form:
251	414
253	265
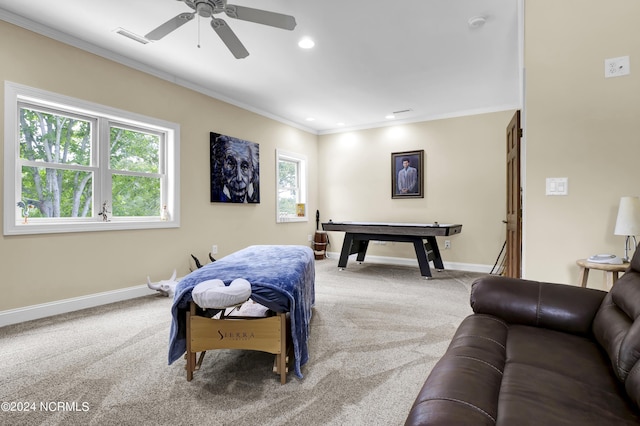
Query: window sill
52	228
292	219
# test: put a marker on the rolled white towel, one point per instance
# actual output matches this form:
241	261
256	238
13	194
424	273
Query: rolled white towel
250	309
213	294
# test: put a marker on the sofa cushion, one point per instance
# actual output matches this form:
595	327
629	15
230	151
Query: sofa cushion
616	326
463	386
512	374
557	378
632	384
556	306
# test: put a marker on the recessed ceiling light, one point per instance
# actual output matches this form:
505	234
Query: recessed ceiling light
310	119
306	43
476	21
390	117
340	124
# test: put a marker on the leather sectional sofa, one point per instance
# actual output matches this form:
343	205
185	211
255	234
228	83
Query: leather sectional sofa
537	353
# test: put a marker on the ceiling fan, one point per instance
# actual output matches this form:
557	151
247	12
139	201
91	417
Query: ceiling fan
209	8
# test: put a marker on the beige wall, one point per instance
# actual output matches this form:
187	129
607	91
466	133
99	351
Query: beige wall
464	183
581	126
577	125
44	268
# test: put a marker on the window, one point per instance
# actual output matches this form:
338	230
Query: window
75	166
292	187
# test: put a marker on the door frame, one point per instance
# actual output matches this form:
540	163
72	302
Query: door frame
514	198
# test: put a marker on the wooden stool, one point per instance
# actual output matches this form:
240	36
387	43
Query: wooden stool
611	271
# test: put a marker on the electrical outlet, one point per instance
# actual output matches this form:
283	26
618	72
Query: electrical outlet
616	67
214	249
447	244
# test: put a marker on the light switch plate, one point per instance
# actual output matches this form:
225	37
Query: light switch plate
557	186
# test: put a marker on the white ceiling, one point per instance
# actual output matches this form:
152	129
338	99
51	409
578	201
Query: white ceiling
372	57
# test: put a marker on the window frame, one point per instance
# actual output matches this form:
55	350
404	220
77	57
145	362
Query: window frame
302	169
102	117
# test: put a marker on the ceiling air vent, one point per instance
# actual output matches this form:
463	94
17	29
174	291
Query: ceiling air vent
132	36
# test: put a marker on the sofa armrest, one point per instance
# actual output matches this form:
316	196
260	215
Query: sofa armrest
555	306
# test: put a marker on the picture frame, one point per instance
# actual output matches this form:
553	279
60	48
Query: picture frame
407	180
235	170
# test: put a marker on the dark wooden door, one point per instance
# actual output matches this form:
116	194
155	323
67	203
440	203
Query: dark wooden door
513	255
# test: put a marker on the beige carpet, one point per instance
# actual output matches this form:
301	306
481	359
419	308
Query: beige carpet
376	332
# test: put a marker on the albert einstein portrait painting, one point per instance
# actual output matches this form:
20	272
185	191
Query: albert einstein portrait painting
235	170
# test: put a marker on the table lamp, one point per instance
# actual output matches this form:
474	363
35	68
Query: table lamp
628	222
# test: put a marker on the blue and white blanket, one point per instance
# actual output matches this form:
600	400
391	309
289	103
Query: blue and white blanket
274	271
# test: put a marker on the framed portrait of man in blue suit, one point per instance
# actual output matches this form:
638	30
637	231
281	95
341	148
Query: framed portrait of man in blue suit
407	174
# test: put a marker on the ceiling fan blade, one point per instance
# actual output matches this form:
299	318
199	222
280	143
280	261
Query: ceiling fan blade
259	16
171	25
229	38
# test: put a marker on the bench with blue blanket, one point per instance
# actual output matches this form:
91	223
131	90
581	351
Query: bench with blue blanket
282	278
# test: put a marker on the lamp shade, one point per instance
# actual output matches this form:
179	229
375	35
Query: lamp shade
628	222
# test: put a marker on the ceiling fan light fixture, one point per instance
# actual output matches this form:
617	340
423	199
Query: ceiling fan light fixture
209	8
306	43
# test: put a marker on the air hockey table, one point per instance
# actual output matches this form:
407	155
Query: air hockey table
422	235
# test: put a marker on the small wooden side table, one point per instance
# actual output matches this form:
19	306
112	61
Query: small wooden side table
611	271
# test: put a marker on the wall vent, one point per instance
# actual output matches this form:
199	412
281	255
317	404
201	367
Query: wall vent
132	36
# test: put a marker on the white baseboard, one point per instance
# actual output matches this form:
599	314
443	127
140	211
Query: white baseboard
28	313
33	312
403	261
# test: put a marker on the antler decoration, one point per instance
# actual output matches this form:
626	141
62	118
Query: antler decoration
198	264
